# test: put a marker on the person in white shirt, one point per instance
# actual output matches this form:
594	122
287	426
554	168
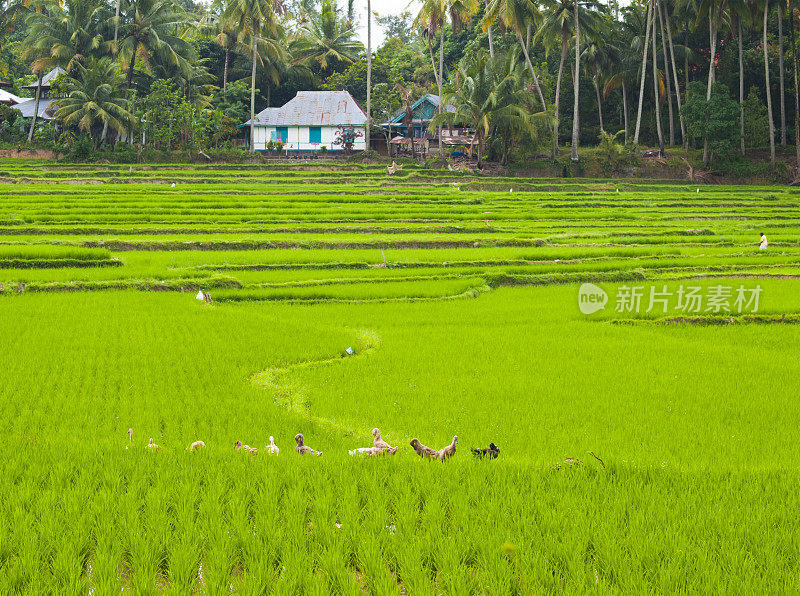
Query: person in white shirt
763	244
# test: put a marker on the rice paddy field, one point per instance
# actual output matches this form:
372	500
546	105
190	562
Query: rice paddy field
649	446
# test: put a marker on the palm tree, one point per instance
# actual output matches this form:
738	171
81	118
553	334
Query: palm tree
434	15
596	60
326	39
95	98
517	15
713	10
558	26
796	87
643	71
656	89
214	25
666	72
490	94
740	10
666	20
782	93
769	91
255	19
151	28
61	36
369	74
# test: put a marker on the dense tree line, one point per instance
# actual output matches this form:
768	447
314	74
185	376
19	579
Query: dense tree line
524	76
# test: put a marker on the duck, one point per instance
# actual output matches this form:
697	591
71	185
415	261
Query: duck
448	451
130	438
424	451
272	448
246	448
152	445
196	445
492	452
380	444
303	449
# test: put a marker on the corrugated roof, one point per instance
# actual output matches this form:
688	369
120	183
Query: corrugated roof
398	116
9	98
47	79
27	106
314	108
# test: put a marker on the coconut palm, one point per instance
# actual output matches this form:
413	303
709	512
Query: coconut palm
781	94
712	10
663	6
95	99
769	92
434	15
491	95
151	29
326	39
257	24
215	26
557	27
61	35
516	15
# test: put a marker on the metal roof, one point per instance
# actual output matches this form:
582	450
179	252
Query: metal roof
9	99
27	106
47	79
400	114
314	108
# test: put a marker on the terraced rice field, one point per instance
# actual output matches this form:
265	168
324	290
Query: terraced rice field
643	449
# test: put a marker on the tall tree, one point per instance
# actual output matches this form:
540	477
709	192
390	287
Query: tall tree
769	91
517	15
557	27
255	21
369	73
671	45
434	14
713	11
643	71
152	28
326	39
782	93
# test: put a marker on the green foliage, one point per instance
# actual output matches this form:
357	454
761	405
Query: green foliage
611	153
715	120
756	120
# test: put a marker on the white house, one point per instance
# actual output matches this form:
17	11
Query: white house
309	122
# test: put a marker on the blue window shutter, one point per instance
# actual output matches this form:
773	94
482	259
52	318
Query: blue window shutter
314	134
282	134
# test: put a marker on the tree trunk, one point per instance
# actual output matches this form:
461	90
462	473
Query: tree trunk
533	72
780	74
576	87
796	91
369	74
131	67
666	72
741	80
105	131
491	42
441	92
433	63
675	77
655	90
712	36
625	110
599	102
558	95
643	73
35	108
253	96
116	28
769	93
225	71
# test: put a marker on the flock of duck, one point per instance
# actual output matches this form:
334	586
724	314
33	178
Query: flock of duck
379	447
